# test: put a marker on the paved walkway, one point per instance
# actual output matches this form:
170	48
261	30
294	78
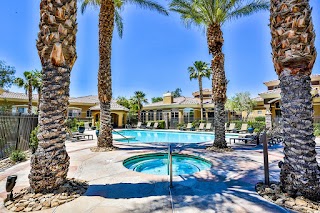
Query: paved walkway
227	187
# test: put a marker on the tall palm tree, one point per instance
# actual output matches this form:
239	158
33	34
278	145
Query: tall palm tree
212	14
137	101
28	84
37	85
110	14
57	52
294	55
199	70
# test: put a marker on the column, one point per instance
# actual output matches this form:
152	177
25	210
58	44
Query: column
181	116
268	117
154	115
120	119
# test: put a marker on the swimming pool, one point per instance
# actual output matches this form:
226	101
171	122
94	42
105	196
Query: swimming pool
145	136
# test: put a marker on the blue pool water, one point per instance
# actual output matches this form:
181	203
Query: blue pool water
166	136
157	164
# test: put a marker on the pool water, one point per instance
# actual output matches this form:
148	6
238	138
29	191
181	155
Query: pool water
157	164
167	136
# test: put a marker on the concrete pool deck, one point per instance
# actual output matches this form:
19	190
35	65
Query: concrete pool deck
227	187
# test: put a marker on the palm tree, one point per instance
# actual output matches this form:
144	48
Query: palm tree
294	55
137	101
57	52
199	70
28	84
37	85
110	14
212	14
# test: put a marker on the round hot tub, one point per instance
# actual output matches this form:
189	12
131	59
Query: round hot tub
157	164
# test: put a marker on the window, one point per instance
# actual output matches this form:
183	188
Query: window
22	110
259	112
89	114
159	115
73	113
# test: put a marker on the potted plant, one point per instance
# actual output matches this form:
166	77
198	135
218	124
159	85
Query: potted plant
98	128
81	127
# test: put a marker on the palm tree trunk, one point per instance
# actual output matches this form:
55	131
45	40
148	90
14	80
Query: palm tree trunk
294	56
29	97
139	115
106	25
56	48
201	97
219	89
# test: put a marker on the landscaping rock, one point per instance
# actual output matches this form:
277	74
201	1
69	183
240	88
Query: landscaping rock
274	194
27	201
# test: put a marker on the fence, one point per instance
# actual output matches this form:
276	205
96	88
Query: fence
15	132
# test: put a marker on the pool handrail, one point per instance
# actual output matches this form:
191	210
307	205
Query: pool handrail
121	135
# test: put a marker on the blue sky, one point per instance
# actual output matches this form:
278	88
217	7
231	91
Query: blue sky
154	53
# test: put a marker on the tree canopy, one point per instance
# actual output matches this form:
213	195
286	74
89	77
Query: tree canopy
156	99
6	75
241	102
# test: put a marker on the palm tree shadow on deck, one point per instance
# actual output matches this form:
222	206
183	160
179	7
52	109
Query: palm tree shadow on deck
219	193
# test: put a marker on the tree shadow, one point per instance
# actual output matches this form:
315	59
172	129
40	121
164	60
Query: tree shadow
226	187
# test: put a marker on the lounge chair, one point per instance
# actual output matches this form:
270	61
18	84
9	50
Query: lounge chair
189	127
201	127
78	136
149	125
208	126
139	125
244	128
155	125
232	126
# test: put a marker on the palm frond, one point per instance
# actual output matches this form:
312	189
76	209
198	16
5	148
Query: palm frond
149	4
248	9
86	3
118	22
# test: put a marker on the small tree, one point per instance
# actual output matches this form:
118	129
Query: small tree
156	99
6	75
241	102
177	93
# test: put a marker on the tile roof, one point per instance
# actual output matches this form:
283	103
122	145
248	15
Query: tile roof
274	91
179	101
114	106
90	99
16	95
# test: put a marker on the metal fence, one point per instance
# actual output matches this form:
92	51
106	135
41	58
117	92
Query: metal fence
15	132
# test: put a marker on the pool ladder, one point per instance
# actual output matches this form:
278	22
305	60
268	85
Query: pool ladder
121	135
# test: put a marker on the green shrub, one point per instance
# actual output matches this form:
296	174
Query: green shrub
180	125
260	118
98	125
17	156
80	124
257	125
161	124
316	129
33	144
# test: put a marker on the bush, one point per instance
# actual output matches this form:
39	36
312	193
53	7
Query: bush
260	118
161	124
72	124
316	129
80	124
257	125
33	144
180	125
17	156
